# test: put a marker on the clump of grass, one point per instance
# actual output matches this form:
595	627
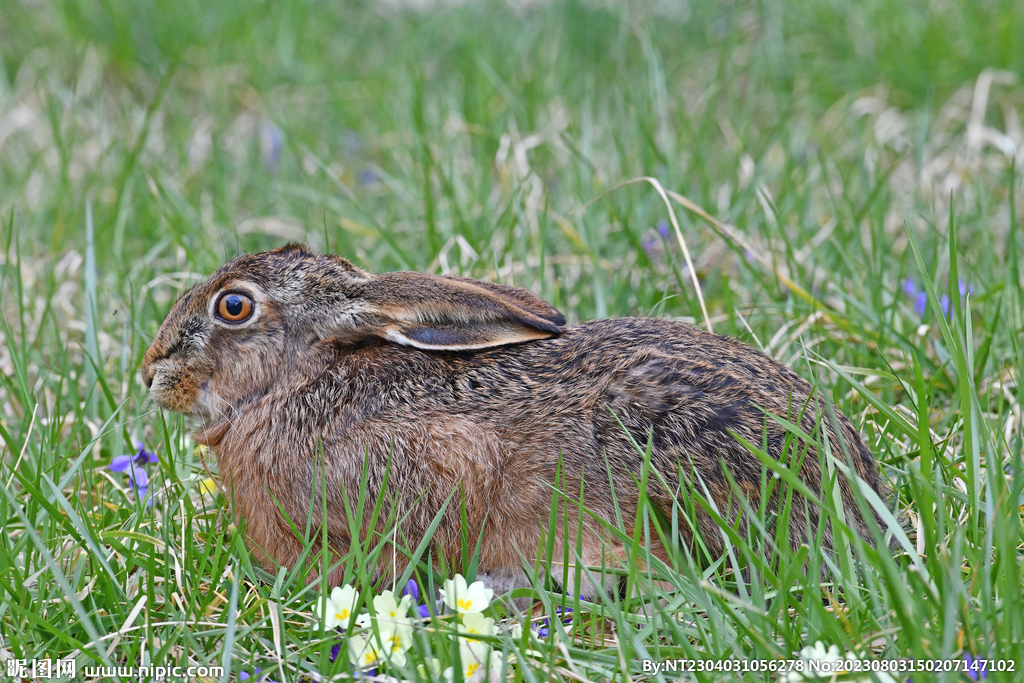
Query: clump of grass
817	157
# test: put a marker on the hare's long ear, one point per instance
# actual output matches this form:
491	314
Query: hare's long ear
454	314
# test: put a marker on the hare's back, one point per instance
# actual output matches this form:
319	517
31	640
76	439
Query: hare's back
689	391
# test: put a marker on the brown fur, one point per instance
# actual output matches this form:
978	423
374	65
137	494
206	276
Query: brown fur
473	391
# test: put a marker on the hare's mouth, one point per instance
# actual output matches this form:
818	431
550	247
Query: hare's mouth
181	392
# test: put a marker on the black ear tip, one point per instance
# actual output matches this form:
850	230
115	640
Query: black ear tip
551	324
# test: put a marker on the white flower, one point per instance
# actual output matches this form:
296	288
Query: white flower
495	663
819	653
395	642
392	637
389	609
337	610
466	599
479	663
475	623
430	671
362	651
829	663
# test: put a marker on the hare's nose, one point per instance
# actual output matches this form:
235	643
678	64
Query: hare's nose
155	352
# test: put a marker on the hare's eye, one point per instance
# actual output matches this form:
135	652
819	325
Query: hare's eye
234	308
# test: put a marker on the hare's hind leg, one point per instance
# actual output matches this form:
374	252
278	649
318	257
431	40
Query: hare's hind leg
597	571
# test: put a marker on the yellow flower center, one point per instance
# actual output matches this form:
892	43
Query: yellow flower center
396	643
369	657
342	615
465	604
471	669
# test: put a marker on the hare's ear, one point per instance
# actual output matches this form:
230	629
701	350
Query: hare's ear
443	313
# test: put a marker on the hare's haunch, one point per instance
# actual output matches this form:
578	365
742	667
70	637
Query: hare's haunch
301	372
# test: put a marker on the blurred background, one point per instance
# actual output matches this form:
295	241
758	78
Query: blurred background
464	137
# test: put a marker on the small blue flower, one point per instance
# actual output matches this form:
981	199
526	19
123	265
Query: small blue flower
413	591
973	669
367	177
921	303
121	462
271	144
663	228
139	478
920	296
132	465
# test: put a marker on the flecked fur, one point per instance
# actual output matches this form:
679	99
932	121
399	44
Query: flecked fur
468	389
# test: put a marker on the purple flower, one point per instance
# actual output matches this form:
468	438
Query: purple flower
543	629
271	144
244	676
413	590
663	229
920	296
367	177
132	464
335	651
921	303
975	667
139	478
142	456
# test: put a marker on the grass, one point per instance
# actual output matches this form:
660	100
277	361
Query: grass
845	150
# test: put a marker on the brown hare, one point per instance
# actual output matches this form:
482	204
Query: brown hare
293	364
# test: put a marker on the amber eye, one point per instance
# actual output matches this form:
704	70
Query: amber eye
233	307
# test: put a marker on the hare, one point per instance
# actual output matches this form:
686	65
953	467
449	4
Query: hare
303	374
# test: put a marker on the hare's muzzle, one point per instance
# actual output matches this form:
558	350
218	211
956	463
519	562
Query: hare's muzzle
148	373
154	353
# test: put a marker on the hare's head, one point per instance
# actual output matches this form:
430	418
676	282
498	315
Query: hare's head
261	314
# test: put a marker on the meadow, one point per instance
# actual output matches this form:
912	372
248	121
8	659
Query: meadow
837	184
